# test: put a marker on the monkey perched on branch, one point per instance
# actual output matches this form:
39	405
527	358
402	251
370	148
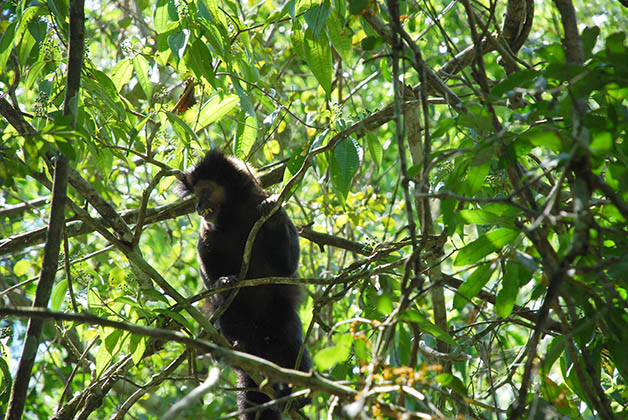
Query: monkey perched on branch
261	320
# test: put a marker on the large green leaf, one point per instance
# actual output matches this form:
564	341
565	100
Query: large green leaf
472	285
178	42
510	288
6	44
216	108
165	15
141	71
316	17
330	356
122	73
247	133
484	245
340	36
182	128
199	60
318	56
345	161
58	294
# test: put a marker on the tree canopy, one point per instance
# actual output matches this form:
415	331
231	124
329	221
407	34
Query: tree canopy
457	171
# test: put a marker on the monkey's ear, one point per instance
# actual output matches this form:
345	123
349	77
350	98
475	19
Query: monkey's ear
183	187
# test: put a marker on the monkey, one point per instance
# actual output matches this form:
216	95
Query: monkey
261	320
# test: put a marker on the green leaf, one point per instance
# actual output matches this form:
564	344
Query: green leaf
34	74
345	162
357	7
542	136
137	347
316	17
476	176
216	108
199	60
427	326
484	245
247	133
141	71
26	16
552	53
6	44
182	128
103	357
472	285
478	121
176	316
326	358
107	84
165	14
318	57
177	42
340	37
371	42
523	78
375	148
384	304
615	43
58	295
21	267
65	147
589	38
209	10
6	381
510	288
113	340
451	381
601	143
478	217
122	73
59	9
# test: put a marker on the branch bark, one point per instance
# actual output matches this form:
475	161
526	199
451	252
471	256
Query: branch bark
55	221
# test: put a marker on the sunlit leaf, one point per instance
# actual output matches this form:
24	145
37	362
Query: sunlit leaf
216	108
58	295
246	136
122	73
330	356
140	64
318	56
6	44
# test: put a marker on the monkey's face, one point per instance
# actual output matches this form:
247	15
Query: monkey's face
210	197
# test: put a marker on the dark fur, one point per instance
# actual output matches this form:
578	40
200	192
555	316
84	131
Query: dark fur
261	320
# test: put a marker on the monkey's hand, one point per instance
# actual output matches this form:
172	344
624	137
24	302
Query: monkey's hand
226	281
267	205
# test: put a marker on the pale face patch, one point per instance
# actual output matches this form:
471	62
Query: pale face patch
210	198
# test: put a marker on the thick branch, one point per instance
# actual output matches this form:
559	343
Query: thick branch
55	222
229	356
44	289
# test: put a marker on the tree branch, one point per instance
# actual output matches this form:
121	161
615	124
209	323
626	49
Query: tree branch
55	221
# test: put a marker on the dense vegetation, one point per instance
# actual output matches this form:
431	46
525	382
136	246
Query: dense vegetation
458	172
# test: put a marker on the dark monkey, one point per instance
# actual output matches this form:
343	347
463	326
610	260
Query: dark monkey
261	320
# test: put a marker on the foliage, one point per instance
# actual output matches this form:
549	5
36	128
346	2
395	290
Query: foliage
477	272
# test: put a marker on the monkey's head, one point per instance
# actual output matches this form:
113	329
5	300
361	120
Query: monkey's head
210	199
215	181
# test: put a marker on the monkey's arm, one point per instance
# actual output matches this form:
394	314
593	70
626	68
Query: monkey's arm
280	240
